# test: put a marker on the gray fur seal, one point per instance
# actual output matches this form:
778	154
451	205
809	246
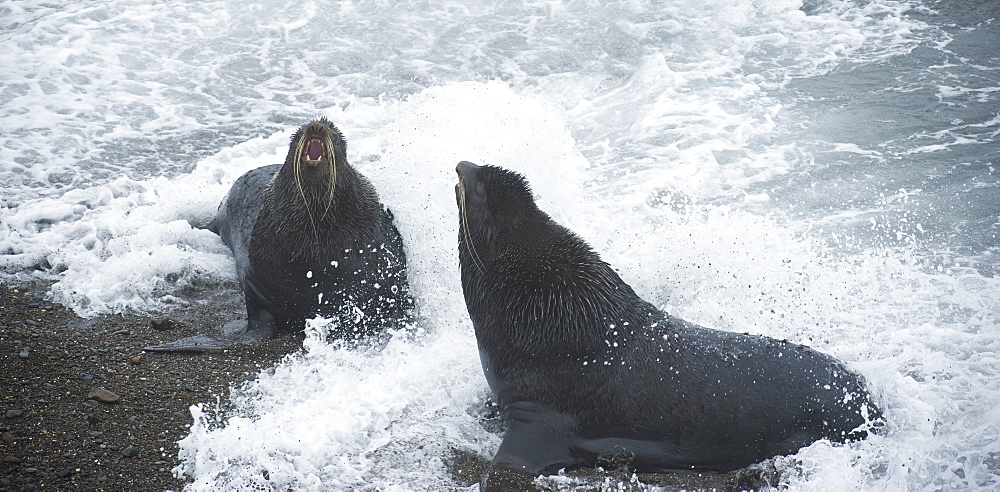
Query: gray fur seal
587	374
310	237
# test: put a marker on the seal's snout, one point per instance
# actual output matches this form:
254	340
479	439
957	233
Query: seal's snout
466	169
468	174
316	146
316	128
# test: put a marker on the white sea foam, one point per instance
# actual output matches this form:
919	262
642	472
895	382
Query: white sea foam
360	420
129	245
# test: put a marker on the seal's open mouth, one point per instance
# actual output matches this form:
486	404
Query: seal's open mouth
313	153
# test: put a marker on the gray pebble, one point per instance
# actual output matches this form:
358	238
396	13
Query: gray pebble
102	395
161	324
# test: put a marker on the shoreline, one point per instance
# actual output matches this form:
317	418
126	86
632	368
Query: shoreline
57	435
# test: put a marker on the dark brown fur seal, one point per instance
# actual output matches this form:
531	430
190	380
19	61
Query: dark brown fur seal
586	373
310	237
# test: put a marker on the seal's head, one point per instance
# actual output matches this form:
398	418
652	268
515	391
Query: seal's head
494	204
316	148
528	280
316	151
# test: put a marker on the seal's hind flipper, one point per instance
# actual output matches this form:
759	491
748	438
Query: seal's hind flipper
199	343
233	333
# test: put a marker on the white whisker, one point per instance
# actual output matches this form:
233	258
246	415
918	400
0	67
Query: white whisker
465	229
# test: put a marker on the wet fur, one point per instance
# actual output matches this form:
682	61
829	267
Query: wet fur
587	373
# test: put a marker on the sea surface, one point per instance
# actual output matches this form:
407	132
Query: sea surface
823	171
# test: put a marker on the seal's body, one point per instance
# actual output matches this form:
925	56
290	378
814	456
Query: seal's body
587	373
310	237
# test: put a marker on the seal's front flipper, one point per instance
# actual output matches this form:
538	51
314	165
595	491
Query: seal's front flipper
538	441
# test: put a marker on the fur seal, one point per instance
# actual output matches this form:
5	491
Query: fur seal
310	237
586	373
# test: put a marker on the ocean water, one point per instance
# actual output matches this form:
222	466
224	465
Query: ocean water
826	171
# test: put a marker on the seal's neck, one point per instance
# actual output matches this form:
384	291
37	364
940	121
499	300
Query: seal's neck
306	215
551	296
